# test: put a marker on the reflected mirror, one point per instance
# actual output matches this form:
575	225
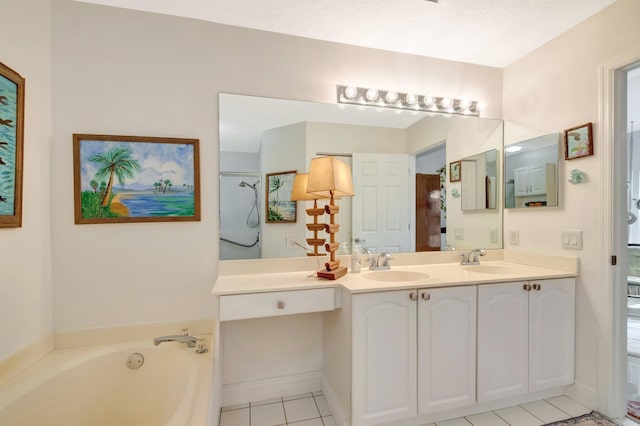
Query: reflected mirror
479	181
531	172
260	136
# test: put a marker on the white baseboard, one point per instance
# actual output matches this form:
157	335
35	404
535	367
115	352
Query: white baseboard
332	400
259	390
583	394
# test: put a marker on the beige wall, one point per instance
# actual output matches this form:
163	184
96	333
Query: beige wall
555	88
132	73
25	266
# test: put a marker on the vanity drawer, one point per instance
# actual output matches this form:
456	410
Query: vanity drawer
270	304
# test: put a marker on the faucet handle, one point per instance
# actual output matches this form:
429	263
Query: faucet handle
186	331
385	257
464	258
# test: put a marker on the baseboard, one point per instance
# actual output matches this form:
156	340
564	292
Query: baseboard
17	362
128	333
259	390
332	400
583	394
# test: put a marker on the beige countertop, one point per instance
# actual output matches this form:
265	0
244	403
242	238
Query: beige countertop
441	269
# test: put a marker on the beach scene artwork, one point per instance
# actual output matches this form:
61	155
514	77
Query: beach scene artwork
279	206
134	179
11	113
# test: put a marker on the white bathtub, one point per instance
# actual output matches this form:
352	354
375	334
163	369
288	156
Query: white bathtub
94	387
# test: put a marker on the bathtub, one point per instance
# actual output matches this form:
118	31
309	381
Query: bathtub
93	386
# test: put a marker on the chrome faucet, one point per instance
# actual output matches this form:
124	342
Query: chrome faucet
381	262
471	258
189	340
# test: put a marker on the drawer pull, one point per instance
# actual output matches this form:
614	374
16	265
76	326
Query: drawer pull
537	287
425	296
527	287
413	295
280	304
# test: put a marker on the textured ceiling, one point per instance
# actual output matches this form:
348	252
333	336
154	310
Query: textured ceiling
487	32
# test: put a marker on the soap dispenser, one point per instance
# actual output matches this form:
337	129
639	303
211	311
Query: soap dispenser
355	255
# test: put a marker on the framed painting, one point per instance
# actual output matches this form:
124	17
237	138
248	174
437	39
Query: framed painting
454	171
135	179
11	146
279	206
578	141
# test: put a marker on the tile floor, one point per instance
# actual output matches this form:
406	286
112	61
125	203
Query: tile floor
311	410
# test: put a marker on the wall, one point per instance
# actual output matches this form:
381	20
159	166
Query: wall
552	89
25	253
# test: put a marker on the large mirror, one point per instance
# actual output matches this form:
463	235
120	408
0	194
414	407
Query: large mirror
260	136
531	172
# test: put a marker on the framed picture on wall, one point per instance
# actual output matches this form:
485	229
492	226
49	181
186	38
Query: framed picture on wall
11	146
454	171
279	206
135	179
578	142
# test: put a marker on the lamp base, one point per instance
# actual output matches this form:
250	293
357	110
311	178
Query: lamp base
333	275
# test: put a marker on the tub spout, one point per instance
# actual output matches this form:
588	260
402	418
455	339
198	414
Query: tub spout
189	340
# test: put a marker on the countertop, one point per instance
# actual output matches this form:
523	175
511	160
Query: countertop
443	270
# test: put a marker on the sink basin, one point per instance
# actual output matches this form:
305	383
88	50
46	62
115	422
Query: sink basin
490	269
396	276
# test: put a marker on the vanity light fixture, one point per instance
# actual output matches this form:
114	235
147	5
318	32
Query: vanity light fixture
299	193
405	101
332	177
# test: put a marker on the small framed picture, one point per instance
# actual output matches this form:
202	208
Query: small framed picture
454	171
279	206
578	141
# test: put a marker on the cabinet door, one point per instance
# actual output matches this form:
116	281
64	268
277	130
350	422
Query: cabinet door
446	348
551	333
503	324
538	179
384	352
521	181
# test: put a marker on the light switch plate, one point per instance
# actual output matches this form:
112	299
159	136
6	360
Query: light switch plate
514	237
459	233
572	239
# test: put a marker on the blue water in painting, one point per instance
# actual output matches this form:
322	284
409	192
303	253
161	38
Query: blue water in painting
152	205
8	152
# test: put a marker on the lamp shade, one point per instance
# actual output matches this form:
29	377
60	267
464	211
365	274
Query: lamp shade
328	174
299	191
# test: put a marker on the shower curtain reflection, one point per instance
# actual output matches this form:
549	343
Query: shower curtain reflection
239	216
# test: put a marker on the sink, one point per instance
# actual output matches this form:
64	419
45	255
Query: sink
490	269
396	276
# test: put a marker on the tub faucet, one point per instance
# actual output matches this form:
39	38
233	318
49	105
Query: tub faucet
182	338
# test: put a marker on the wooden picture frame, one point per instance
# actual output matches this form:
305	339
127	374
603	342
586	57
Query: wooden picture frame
578	141
454	171
279	208
121	179
11	146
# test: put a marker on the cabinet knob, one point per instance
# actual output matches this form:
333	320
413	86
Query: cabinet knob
527	287
413	295
425	295
537	287
280	304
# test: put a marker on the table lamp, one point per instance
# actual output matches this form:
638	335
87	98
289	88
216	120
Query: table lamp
332	177
299	193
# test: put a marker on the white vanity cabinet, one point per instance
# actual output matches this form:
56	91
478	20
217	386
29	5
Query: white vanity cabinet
525	337
533	180
413	352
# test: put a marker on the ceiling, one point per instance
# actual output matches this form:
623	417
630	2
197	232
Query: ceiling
487	32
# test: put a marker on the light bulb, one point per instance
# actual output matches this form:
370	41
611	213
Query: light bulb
410	99
464	104
428	100
350	92
371	95
391	97
445	103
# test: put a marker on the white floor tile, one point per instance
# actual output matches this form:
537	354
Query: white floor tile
569	406
266	402
300	409
322	406
235	418
545	411
300	396
235	407
267	415
328	421
486	419
312	422
454	422
518	416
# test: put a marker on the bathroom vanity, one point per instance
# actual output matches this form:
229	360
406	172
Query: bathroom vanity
427	340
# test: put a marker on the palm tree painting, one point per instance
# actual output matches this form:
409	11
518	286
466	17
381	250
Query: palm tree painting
141	179
280	208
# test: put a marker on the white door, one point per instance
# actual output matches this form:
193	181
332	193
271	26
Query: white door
551	333
384	351
521	182
503	340
468	184
383	204
446	348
